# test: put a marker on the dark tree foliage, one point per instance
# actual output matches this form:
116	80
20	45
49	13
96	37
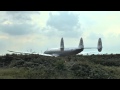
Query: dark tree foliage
69	67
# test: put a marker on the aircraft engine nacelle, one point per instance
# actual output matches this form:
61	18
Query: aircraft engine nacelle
99	45
81	45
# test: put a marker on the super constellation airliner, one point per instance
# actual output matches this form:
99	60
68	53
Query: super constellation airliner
61	51
71	51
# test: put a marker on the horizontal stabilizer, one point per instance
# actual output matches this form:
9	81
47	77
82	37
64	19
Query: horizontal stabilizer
90	48
99	46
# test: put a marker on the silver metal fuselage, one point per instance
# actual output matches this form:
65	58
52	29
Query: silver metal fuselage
64	52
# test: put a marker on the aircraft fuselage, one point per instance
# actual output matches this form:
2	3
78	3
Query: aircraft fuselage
64	52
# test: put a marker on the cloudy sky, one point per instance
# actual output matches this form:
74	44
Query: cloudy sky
41	30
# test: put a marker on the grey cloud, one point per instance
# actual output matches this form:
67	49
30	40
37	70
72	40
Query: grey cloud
21	23
64	21
12	13
17	15
20	15
65	24
18	29
52	32
22	12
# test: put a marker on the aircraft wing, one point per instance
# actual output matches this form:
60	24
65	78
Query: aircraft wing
20	52
55	55
14	51
88	53
45	55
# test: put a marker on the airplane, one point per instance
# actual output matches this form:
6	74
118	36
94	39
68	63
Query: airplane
55	52
71	51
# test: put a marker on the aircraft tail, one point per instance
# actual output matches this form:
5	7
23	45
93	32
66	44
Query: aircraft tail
62	45
99	46
81	44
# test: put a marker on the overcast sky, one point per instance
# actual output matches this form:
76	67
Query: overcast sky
41	30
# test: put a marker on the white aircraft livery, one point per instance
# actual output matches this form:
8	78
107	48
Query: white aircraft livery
71	51
68	51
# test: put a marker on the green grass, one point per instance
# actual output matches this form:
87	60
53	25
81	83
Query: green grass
11	73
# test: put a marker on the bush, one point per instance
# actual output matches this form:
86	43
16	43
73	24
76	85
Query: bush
17	63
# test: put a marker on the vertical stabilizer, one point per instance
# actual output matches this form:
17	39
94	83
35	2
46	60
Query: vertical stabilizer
62	45
99	45
81	45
